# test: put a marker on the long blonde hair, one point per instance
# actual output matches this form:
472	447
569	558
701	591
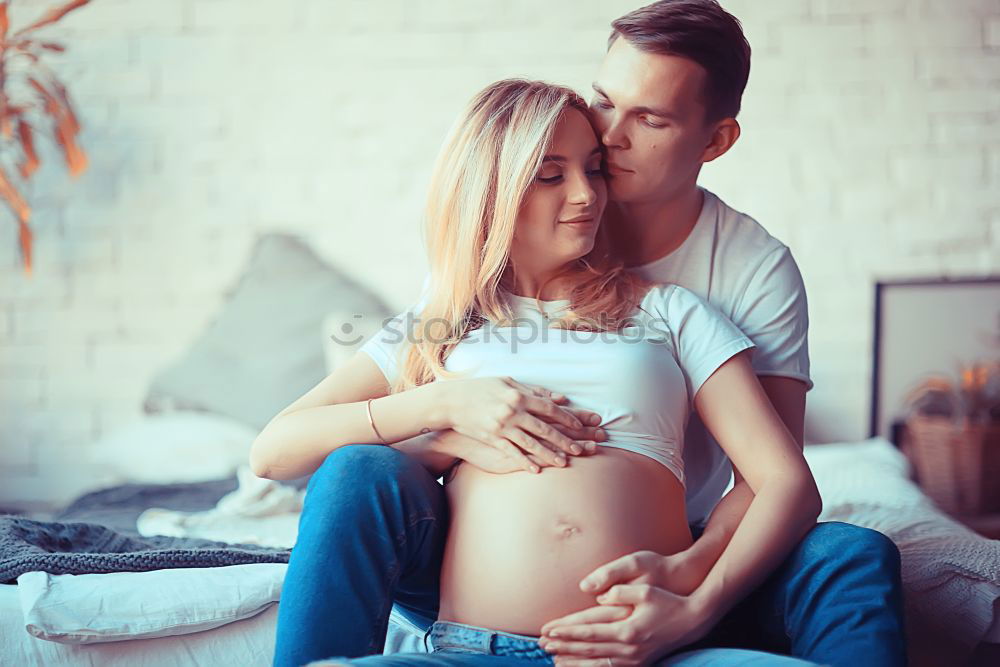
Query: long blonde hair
489	160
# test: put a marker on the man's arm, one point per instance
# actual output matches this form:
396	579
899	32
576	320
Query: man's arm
788	396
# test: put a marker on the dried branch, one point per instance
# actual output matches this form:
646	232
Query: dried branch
52	99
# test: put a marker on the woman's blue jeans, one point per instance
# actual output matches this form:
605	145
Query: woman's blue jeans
449	643
371	538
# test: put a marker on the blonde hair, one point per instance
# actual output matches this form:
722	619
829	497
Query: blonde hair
489	160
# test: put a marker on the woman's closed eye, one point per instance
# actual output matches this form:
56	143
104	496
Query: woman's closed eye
593	172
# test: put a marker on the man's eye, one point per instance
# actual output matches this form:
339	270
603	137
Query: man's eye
652	123
550	179
601	105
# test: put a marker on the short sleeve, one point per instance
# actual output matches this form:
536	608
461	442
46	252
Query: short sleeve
703	337
388	345
773	312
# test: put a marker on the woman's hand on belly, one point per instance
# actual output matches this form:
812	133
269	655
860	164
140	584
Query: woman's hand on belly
516	419
492	460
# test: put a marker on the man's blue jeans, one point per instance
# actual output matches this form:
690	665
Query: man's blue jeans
372	534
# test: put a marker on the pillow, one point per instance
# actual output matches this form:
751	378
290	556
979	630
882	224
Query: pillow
95	608
951	575
259	353
173	448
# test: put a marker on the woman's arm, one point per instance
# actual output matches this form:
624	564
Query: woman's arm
522	421
785	503
332	414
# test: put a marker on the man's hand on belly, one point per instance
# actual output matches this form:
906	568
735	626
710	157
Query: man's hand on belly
633	624
678	573
661	582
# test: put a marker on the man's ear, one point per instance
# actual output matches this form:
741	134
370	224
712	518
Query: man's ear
725	134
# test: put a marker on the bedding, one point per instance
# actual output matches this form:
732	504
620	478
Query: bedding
950	574
248	643
28	545
95	608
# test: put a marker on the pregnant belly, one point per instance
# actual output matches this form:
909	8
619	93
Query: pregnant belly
519	543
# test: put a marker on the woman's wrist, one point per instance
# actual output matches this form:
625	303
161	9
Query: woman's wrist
438	407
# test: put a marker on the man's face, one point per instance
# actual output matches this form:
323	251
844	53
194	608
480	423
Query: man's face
650	112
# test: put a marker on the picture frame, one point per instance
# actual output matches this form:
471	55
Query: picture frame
926	327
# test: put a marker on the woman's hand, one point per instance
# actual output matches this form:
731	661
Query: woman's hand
490	459
517	420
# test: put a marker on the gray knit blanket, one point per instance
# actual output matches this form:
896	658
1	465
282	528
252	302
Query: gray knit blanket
96	533
27	545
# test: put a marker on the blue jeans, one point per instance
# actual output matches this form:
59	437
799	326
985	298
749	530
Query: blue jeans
372	534
451	643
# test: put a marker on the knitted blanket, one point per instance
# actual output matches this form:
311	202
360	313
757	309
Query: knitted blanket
27	545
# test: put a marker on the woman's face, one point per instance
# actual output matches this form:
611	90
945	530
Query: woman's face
558	220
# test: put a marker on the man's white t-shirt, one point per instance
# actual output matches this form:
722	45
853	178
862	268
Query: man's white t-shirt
730	261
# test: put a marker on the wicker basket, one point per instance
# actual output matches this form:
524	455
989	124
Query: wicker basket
957	465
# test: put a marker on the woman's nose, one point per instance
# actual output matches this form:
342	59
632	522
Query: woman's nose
583	191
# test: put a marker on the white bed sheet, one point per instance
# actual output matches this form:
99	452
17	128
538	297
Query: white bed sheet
247	643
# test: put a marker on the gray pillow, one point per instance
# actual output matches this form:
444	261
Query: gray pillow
263	349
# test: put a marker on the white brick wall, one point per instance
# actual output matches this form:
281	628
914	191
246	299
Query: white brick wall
870	146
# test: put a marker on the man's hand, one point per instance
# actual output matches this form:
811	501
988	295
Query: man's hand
672	579
633	624
680	573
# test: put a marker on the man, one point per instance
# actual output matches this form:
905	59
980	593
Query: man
665	100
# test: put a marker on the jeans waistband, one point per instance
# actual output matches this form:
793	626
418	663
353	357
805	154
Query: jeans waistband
449	635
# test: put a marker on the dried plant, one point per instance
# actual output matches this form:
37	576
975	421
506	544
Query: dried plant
21	64
974	398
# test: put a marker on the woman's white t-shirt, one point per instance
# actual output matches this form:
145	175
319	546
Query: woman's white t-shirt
733	263
641	380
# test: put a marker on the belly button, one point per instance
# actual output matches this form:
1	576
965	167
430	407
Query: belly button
566	529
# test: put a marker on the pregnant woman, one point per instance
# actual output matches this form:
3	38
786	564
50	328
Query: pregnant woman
525	294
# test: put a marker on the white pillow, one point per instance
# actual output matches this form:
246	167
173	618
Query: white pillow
95	608
870	471
173	447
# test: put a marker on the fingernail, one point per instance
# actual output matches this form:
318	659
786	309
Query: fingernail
595	419
590	445
575	449
535	469
586	585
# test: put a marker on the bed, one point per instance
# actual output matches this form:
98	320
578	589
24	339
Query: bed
951	575
207	406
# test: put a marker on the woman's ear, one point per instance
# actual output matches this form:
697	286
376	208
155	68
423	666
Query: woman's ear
725	134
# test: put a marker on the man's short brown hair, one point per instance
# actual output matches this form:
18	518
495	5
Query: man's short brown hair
699	30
